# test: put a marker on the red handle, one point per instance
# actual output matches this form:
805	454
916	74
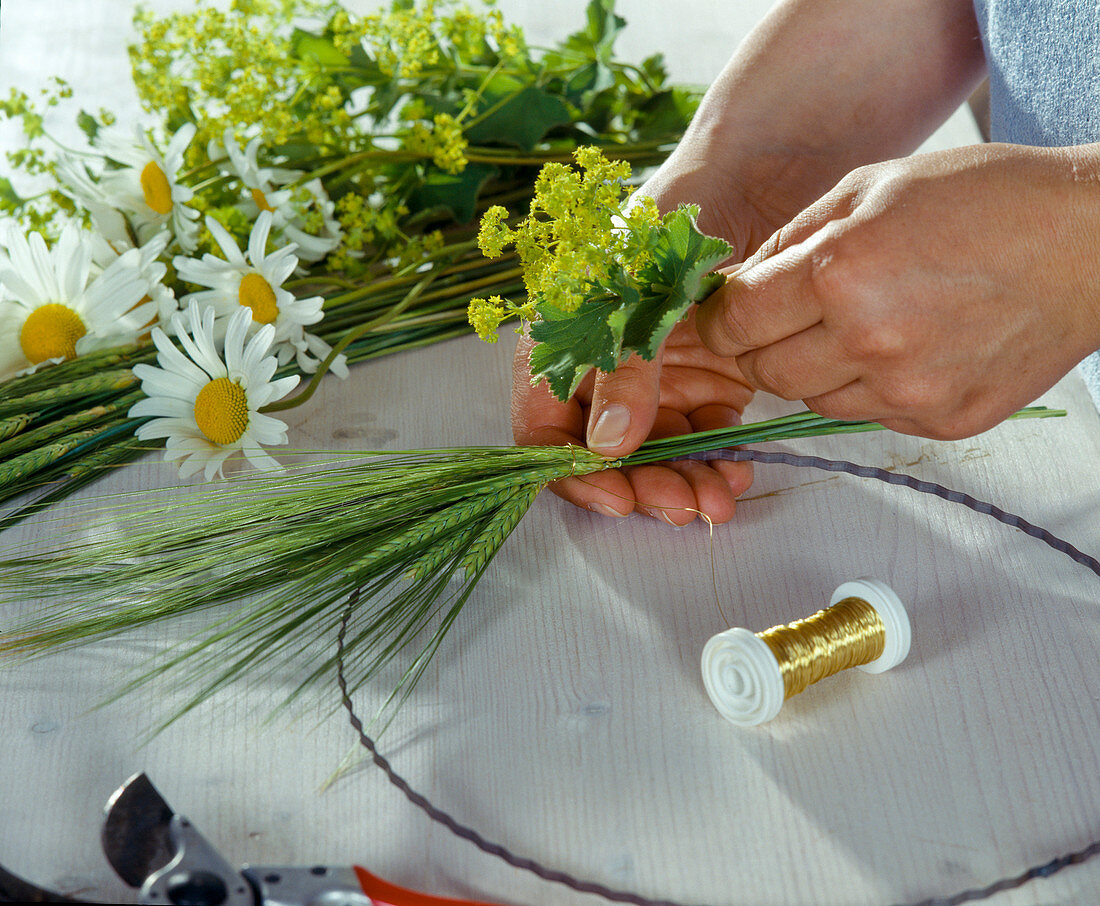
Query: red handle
383	893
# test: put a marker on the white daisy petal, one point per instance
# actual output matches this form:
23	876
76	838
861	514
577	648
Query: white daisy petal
156	382
171	428
268	426
104	301
239	323
162	407
225	241
175	362
257	240
260	459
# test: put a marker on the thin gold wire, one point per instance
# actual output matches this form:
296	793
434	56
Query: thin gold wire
847	634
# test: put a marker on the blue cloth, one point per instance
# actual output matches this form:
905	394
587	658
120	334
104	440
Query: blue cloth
1044	83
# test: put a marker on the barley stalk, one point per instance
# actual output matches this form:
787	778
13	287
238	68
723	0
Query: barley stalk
81	388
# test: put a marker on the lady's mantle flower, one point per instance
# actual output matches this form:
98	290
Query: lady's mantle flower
443	140
141	190
59	305
256	283
302	214
579	234
207	407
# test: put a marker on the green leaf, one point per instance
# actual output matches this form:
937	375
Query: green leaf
88	124
665	114
519	119
603	26
308	46
10	198
680	274
570	344
456	194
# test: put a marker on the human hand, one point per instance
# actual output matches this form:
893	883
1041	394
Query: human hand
685	388
935	294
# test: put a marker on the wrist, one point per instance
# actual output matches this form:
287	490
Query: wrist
1079	202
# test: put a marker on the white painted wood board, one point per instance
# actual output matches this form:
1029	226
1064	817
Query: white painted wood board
565	716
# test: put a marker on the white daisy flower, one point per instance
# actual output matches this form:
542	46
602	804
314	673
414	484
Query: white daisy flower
59	305
105	251
141	196
291	207
256	282
206	407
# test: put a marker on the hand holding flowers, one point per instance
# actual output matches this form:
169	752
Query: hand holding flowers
623	362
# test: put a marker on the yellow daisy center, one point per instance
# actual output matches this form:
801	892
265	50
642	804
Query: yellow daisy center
221	411
51	332
256	293
261	201
155	186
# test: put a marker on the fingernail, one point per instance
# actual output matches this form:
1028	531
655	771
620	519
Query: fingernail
605	510
660	515
610	428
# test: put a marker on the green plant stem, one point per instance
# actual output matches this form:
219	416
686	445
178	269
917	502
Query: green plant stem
350	337
788	427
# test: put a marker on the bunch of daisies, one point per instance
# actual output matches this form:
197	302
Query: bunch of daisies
130	286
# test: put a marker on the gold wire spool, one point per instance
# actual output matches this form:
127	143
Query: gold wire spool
749	675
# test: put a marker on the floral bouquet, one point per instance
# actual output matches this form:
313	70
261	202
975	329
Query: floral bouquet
302	197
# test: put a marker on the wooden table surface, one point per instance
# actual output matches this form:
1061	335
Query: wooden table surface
565	716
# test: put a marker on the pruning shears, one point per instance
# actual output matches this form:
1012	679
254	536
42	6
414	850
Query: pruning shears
161	854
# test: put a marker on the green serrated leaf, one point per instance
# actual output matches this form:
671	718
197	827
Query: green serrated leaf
8	195
519	119
603	25
570	344
628	315
666	113
679	274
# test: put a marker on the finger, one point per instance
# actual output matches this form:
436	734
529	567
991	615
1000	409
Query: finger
540	419
712	416
761	305
854	401
608	493
810	363
715	500
692	376
737	476
660	491
835	204
663	493
624	405
677	492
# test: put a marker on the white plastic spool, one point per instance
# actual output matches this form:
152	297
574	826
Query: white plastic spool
742	676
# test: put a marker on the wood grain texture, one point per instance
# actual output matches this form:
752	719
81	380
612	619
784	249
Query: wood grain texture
565	716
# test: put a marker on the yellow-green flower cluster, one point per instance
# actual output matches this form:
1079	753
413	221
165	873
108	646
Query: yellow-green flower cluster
406	41
470	33
486	315
443	140
37	157
366	227
348	32
577	230
236	69
403	41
